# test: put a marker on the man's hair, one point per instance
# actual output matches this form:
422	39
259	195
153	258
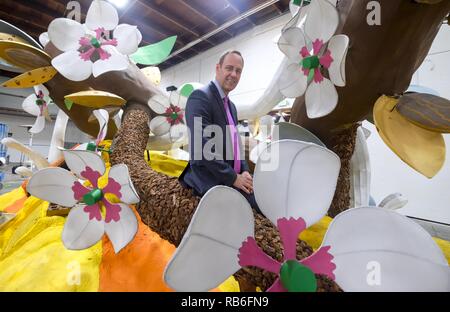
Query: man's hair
222	58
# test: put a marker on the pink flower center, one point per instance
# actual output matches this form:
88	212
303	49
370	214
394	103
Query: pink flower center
312	64
174	115
94	196
40	101
92	48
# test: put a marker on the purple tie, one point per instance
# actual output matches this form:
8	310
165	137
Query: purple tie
234	136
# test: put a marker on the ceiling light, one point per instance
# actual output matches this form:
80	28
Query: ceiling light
119	3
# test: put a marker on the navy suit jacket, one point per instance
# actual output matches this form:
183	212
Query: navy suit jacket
202	173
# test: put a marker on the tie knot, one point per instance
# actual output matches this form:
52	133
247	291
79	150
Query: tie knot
225	100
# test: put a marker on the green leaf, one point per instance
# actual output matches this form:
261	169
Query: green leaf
68	103
187	90
298	2
156	53
296	277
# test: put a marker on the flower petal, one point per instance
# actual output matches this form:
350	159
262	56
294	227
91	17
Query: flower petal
121	175
338	46
321	98
257	150
41	88
159	125
102	14
65	34
115	62
322	20
376	249
118	119
289	232
178	100
122	232
159	103
360	174
287	180
29	105
53	185
36	157
292	82
39	125
293	8
321	262
78	161
393	202
250	254
44	39
291	42
24	172
291	131
102	116
72	67
81	232
208	253
128	38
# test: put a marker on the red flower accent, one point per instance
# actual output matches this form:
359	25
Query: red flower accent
320	262
91	47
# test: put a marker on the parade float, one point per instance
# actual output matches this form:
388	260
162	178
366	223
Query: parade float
111	214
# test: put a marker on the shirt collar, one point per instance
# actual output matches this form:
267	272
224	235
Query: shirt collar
222	94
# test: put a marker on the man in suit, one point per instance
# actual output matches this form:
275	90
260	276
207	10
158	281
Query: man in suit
216	152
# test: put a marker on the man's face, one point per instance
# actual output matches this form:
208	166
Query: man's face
229	73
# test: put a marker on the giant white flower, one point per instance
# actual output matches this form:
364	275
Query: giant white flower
171	112
211	252
99	46
359	242
311	51
97	207
37	105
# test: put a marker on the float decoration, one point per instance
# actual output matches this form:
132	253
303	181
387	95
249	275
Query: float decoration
37	105
294	157
99	206
171	118
311	51
99	46
154	54
32	78
421	149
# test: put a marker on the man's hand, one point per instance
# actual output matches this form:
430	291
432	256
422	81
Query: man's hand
244	182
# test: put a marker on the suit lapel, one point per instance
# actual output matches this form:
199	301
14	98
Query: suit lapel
219	101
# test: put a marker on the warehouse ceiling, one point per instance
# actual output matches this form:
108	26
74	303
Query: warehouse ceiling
190	20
